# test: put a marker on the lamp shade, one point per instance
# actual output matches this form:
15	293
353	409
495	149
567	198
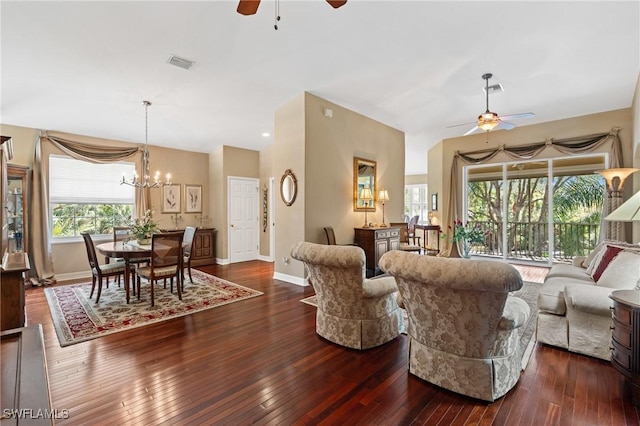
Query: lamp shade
620	173
383	195
629	211
365	194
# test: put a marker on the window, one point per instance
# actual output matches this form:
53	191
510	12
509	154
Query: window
87	197
416	202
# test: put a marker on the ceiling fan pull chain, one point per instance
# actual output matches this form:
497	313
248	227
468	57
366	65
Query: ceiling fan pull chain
275	26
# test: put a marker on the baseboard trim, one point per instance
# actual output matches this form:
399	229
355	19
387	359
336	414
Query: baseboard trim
73	276
303	282
222	261
266	258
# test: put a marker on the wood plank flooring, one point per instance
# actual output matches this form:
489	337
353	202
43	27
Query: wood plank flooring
259	361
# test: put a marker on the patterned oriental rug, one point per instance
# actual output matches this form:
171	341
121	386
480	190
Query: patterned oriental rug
77	318
528	293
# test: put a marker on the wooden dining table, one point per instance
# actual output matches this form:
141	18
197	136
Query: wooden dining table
126	251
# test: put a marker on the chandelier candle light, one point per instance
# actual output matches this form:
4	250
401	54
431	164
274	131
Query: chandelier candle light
146	181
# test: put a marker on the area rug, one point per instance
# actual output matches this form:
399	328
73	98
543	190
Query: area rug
77	318
528	292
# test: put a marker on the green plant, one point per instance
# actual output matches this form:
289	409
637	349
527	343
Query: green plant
467	232
144	227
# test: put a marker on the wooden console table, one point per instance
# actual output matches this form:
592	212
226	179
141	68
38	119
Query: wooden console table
375	242
427	249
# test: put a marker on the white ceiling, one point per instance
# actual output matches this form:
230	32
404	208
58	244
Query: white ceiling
85	67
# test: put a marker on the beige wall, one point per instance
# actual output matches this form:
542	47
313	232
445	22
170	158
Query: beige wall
233	162
289	153
70	258
320	152
442	154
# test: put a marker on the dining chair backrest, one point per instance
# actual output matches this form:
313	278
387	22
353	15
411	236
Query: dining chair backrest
404	231
166	249
189	233
331	236
91	250
121	233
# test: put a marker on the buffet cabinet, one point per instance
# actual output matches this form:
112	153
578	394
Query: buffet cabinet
375	242
204	247
625	340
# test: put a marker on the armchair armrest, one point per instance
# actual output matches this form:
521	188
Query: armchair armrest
590	299
378	287
578	260
515	314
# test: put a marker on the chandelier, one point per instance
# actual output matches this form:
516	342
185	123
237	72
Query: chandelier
146	181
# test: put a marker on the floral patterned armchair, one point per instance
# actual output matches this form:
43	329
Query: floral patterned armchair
462	322
353	311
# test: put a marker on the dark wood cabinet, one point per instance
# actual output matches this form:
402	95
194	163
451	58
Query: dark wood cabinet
625	340
375	242
14	266
204	247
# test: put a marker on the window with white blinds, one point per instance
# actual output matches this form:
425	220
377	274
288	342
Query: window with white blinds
88	197
77	181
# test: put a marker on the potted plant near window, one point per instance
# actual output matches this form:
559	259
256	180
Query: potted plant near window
464	235
143	228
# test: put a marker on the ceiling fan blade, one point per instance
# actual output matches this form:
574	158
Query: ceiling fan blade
336	3
462	124
505	125
471	131
515	116
248	7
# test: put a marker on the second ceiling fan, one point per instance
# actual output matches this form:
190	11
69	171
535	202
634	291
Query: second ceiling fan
490	120
250	7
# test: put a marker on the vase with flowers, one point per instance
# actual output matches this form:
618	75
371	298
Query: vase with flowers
464	235
142	228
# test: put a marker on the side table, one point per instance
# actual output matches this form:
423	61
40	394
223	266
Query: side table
625	338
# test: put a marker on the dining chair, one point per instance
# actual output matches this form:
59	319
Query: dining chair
187	244
98	272
166	262
331	237
412	228
405	244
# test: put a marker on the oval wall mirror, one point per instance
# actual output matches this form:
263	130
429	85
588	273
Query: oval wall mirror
288	187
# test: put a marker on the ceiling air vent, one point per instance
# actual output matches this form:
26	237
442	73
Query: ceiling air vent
494	88
180	62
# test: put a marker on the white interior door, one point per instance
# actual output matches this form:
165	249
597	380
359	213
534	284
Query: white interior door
243	219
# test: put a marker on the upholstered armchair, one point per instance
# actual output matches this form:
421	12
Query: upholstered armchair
353	311
462	321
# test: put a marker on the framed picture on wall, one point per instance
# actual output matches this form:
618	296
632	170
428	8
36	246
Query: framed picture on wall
434	202
193	198
171	198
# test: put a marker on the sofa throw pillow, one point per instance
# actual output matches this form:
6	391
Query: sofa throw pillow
623	271
609	254
595	261
589	259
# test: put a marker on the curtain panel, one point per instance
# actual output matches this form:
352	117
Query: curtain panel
40	233
569	146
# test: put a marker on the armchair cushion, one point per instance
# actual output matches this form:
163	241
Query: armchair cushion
379	287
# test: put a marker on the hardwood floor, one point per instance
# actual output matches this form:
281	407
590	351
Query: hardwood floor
259	361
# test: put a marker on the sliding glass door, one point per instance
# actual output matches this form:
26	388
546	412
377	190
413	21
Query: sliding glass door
539	211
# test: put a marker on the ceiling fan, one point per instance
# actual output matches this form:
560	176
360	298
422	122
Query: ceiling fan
489	120
250	7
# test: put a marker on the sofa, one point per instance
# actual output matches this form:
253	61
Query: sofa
574	308
352	311
463	323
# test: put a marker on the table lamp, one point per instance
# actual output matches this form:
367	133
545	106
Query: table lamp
383	196
366	196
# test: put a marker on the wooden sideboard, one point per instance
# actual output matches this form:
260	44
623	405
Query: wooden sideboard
204	247
375	242
14	266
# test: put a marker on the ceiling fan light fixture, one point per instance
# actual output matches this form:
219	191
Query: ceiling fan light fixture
488	121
